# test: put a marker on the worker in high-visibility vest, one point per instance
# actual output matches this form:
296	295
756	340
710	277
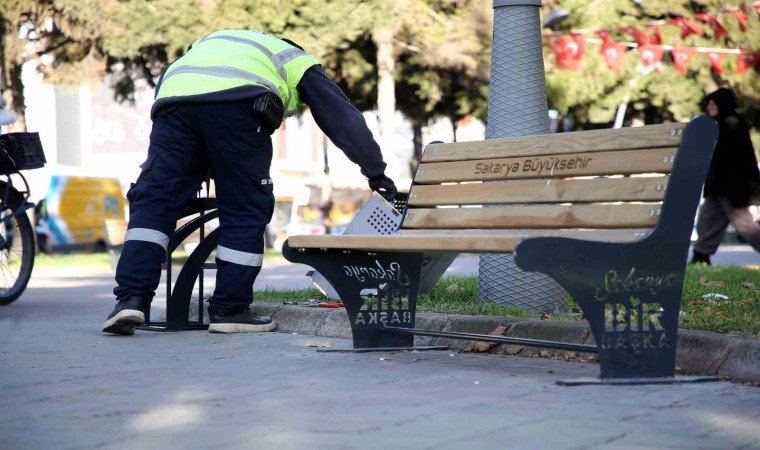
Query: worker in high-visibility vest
216	108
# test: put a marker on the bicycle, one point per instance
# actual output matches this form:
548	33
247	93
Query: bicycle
18	151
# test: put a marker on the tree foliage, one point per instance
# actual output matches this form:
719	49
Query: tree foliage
593	93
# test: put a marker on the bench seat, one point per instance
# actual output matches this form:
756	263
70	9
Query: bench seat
460	241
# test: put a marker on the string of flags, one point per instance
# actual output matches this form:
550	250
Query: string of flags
569	49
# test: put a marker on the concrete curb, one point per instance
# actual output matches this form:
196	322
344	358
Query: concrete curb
699	352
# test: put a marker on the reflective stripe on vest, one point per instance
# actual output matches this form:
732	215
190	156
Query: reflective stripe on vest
222	71
147	235
238	257
249	67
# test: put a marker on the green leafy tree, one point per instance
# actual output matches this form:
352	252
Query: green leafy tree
592	94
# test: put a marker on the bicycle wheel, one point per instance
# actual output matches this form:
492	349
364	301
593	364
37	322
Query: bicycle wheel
16	247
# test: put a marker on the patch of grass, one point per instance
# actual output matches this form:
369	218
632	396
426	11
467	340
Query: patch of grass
459	295
299	295
739	314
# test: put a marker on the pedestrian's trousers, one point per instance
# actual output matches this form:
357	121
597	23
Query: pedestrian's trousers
186	141
714	216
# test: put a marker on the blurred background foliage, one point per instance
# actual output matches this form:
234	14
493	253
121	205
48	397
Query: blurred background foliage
426	58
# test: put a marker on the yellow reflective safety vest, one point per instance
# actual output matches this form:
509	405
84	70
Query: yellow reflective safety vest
228	59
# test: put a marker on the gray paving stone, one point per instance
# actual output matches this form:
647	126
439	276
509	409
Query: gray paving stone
66	385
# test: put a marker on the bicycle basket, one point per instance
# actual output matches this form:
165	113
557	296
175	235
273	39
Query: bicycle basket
20	151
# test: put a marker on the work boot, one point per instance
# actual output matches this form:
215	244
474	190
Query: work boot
700	258
126	316
242	322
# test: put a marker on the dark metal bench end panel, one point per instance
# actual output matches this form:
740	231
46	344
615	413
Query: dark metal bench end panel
377	288
631	293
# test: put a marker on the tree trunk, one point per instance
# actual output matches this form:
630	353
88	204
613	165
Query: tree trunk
16	102
454	126
386	90
11	87
417	140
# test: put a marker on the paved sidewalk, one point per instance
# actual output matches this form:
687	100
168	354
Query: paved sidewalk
67	386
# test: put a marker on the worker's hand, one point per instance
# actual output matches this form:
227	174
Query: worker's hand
383	186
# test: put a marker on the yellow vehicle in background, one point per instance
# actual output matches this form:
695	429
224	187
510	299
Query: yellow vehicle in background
71	216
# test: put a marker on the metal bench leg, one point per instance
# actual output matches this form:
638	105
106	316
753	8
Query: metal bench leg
631	297
378	289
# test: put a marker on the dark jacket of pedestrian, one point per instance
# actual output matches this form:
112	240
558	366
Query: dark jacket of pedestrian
733	171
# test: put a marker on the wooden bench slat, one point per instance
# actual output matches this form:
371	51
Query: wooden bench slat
554	191
461	243
627	162
652	136
536	216
612	234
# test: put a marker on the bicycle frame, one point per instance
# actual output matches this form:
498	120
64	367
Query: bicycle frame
25	205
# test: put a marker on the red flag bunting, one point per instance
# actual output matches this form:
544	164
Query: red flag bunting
650	54
612	52
747	60
682	56
715	61
713	22
656	33
569	51
640	37
687	27
740	16
604	34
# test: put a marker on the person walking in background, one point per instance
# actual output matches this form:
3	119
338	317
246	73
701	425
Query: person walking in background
733	181
215	109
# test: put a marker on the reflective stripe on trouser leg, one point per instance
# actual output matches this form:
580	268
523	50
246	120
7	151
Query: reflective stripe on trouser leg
237	257
147	235
137	274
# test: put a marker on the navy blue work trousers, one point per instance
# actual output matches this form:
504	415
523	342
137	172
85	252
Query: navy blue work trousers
186	141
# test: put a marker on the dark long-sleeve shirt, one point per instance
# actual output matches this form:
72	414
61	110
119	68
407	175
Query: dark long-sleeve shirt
341	121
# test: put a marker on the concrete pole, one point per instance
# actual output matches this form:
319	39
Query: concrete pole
517	107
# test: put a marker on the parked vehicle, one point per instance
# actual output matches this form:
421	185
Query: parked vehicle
70	217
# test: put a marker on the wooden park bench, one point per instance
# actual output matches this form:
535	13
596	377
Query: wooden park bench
608	214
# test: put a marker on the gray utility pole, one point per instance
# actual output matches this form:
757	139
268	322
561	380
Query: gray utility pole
517	107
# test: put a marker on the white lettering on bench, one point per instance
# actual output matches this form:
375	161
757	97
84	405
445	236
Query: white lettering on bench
386	305
377	272
614	284
622	329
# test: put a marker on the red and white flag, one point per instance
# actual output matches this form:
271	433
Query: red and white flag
713	22
569	51
687	26
682	56
612	52
715	60
747	60
650	54
656	33
640	37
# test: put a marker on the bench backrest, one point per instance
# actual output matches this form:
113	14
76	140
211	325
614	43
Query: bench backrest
609	181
